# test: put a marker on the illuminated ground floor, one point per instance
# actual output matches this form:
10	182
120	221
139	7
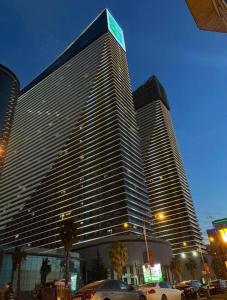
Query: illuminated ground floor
135	272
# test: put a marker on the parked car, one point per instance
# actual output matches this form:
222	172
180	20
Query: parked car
161	291
193	289
217	286
108	289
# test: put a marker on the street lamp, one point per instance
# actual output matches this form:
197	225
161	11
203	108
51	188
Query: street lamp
160	216
194	253
211	239
125	225
2	151
183	255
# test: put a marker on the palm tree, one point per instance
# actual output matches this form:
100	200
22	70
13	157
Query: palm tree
44	271
176	267
67	236
191	266
18	256
118	256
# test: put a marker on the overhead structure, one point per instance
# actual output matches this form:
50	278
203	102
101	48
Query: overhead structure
209	15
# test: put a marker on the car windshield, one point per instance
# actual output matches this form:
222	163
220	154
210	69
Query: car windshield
91	286
164	285
148	285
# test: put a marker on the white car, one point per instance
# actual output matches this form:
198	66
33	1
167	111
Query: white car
160	291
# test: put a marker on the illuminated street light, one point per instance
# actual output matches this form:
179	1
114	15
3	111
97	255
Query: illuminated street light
194	253
125	225
183	255
184	244
160	216
2	151
211	239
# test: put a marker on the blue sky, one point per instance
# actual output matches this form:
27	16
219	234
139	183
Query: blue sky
162	39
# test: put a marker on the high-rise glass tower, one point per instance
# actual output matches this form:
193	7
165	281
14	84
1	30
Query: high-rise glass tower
172	209
9	90
74	150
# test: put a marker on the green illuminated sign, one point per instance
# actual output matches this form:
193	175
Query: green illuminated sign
116	30
152	274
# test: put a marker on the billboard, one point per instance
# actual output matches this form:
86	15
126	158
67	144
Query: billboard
116	30
223	233
152	274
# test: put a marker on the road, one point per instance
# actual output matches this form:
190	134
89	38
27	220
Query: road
220	297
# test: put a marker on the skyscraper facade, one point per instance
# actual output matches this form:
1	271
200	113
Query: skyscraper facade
9	90
172	209
74	150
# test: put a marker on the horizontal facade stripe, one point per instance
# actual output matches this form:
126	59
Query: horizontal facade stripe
166	180
75	154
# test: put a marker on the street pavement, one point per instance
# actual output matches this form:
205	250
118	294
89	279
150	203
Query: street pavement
220	297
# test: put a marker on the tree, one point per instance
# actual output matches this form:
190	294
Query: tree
68	237
44	271
118	256
18	256
98	271
191	266
176	267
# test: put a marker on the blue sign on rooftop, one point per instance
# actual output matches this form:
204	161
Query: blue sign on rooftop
116	30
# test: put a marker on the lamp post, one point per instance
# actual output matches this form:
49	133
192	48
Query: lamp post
145	241
126	226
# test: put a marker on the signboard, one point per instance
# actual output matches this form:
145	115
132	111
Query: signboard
74	282
152	274
223	233
116	30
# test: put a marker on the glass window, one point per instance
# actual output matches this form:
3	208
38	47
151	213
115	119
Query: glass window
123	286
164	285
93	285
111	285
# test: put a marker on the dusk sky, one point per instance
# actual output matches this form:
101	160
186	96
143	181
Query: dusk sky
162	39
